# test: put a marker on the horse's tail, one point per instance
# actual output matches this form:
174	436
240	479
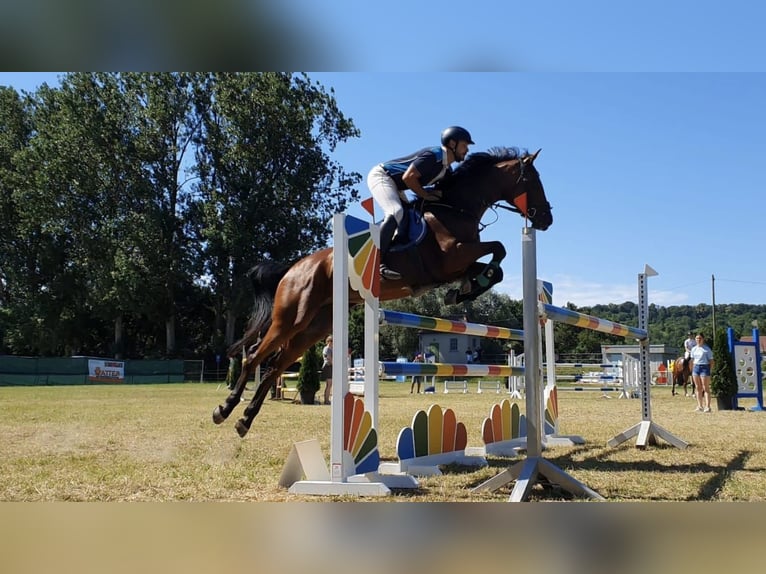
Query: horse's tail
265	278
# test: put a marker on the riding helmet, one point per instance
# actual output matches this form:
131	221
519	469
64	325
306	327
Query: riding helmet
456	133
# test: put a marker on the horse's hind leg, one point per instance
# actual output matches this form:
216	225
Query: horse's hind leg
222	412
243	424
291	352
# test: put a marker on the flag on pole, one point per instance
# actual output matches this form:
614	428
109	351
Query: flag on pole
369	206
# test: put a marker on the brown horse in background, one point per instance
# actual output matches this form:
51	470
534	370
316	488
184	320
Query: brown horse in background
293	304
682	375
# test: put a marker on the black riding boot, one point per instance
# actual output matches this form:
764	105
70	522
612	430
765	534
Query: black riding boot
387	229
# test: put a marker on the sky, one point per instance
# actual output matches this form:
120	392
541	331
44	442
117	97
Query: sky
664	169
548	35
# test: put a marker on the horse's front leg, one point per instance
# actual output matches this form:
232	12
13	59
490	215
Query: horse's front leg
492	273
479	277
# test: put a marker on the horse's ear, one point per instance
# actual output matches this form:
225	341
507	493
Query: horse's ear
531	158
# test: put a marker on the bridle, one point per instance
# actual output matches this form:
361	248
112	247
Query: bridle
519	203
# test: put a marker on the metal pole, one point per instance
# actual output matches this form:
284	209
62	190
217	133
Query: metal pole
712	277
643	350
531	320
338	466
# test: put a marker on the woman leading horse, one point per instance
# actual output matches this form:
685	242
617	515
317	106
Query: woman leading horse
293	304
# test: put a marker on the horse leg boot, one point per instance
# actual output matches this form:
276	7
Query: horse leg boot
387	229
477	287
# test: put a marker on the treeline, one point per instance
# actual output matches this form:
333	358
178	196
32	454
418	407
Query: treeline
670	325
132	205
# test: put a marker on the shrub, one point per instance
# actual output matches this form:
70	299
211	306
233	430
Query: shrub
233	372
308	376
723	382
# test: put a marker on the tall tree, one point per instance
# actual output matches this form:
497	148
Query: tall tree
169	109
268	187
56	196
15	132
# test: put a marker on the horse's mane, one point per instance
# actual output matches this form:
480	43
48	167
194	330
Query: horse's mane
477	162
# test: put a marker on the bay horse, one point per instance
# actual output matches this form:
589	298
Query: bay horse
293	304
682	375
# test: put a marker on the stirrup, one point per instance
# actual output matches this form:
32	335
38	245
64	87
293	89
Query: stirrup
389	274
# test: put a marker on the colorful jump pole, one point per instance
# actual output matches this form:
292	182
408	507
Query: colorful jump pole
450	370
585	321
647	430
411	320
447	326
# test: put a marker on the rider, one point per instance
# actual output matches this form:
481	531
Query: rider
387	182
689	344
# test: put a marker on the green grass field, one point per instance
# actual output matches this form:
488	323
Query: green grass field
158	443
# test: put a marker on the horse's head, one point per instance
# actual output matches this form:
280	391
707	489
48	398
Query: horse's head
526	191
500	174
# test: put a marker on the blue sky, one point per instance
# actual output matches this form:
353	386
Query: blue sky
547	35
664	169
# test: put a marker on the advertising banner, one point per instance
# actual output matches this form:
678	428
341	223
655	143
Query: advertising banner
101	371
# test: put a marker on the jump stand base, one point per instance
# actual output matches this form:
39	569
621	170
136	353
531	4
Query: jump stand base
647	433
329	488
526	473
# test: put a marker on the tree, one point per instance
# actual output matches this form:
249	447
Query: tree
169	116
102	223
267	186
15	119
56	194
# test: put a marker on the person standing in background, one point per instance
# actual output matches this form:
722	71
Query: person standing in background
703	366
416	379
327	368
689	344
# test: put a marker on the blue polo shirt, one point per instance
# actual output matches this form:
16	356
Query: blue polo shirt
431	163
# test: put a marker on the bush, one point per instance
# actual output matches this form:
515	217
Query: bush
233	372
308	376
723	382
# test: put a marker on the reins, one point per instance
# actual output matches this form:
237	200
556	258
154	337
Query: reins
484	207
468	214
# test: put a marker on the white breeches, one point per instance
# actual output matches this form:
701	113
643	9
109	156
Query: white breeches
385	193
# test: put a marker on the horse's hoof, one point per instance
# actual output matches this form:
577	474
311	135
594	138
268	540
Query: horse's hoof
451	297
218	417
241	428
